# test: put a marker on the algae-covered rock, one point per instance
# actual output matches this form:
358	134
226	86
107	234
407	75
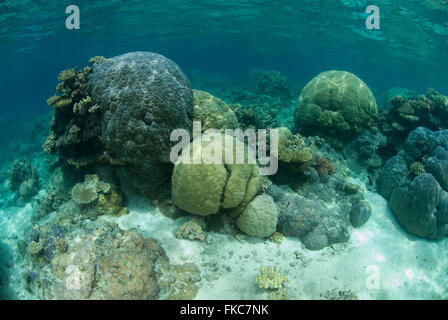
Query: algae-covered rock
360	213
212	112
143	97
260	217
206	188
335	105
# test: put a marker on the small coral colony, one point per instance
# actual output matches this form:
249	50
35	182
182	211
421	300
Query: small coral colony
111	136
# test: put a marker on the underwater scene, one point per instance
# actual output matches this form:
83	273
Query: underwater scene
224	150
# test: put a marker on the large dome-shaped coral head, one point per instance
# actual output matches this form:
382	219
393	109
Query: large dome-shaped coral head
335	105
143	96
207	187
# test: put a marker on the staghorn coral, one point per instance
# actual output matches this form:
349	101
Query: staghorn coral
336	105
269	277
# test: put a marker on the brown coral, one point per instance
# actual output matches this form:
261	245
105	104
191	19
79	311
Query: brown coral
324	166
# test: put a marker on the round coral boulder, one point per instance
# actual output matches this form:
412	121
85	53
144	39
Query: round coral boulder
260	217
143	97
212	112
335	105
419	197
202	182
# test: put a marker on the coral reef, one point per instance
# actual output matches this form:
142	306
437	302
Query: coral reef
97	197
273	83
260	217
406	114
137	120
419	201
75	127
212	112
206	188
107	263
336	105
24	180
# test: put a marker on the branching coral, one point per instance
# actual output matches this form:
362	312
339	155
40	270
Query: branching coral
293	150
269	277
75	127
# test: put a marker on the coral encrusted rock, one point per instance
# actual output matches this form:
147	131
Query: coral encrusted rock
143	97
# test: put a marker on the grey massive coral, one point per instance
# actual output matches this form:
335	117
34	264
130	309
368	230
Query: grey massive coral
419	200
143	96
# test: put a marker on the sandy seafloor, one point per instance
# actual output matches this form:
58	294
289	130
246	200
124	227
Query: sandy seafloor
380	261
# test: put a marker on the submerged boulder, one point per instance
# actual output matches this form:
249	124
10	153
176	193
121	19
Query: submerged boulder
315	225
419	198
143	97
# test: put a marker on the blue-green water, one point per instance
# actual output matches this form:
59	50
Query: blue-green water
223	47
